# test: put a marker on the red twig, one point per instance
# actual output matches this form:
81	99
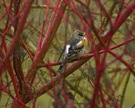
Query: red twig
47	40
17	35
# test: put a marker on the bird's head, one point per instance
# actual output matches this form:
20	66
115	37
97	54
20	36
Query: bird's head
82	36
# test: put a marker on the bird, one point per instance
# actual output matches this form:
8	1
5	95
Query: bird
73	48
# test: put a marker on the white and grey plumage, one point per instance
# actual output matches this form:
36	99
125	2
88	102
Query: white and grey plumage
73	48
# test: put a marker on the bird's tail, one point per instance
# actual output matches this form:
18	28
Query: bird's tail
61	67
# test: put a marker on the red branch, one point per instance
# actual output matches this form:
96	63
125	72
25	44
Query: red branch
17	35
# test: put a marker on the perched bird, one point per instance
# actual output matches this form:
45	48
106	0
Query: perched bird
73	49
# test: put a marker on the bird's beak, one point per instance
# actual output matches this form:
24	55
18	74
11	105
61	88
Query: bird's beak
84	34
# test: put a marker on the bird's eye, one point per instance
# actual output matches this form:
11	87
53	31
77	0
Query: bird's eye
80	34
